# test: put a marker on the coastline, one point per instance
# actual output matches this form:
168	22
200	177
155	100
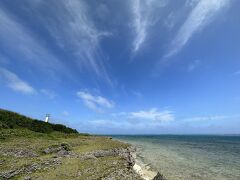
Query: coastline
141	169
26	154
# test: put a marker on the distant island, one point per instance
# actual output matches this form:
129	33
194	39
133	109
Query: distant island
34	149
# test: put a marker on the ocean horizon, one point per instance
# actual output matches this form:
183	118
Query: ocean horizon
187	157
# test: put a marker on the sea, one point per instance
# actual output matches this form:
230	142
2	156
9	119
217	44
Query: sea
188	157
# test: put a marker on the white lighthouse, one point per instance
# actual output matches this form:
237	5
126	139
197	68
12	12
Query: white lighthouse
47	117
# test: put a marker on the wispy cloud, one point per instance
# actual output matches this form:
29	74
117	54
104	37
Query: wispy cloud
143	18
15	83
143	121
153	115
95	102
75	32
209	118
22	43
200	16
133	122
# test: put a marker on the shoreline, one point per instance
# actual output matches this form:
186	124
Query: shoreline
139	168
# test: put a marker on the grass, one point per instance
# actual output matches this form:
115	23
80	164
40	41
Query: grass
13	120
70	168
88	169
23	141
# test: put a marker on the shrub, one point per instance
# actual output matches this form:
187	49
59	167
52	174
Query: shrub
13	120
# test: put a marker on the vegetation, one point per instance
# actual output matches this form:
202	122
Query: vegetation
21	154
12	120
31	149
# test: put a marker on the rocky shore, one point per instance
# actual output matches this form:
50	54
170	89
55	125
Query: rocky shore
28	155
31	149
139	168
62	152
146	174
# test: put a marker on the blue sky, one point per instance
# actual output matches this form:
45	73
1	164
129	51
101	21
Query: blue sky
123	67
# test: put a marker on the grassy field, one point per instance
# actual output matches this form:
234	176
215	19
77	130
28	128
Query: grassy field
22	154
33	149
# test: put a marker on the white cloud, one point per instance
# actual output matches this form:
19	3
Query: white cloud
140	26
153	115
15	83
124	126
191	3
143	18
199	17
132	122
21	42
209	118
95	102
75	32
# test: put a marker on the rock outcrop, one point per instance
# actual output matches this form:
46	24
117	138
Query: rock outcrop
60	152
57	148
17	152
125	153
30	168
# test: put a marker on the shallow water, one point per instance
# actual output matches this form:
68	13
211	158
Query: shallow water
189	157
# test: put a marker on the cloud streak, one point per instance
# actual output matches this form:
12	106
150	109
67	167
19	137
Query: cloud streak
200	16
143	17
75	32
143	121
15	83
153	115
209	118
94	102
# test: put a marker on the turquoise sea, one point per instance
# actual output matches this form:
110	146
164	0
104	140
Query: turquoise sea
185	157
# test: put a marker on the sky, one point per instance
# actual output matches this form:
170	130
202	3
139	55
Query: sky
124	66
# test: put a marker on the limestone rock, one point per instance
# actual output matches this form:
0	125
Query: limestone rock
57	148
18	152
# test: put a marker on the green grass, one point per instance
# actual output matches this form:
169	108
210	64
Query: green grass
71	168
13	120
22	141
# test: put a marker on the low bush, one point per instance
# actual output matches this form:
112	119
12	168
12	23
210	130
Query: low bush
12	120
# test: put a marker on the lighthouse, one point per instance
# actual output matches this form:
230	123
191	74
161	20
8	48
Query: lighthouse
47	117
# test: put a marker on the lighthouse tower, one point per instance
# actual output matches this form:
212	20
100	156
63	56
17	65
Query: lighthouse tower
47	117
